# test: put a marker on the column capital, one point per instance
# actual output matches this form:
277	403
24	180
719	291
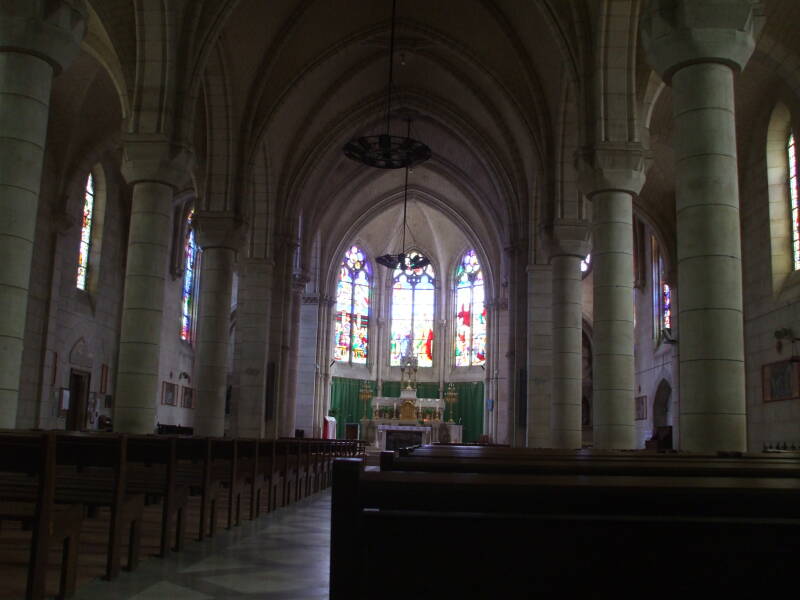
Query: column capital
154	158
571	238
612	167
684	32
218	230
51	31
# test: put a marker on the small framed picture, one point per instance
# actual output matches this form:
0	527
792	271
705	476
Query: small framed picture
169	394
781	380
187	397
641	407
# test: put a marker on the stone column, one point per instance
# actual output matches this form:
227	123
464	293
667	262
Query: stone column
571	247
540	354
154	168
252	340
611	175
219	236
697	46
289	401
35	44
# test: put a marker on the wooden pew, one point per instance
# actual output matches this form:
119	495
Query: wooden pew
195	471
92	470
33	457
525	534
152	470
592	464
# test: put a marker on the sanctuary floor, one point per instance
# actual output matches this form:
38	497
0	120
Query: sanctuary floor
283	555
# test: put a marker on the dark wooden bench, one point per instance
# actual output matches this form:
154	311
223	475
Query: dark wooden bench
152	470
592	464
443	534
33	457
92	470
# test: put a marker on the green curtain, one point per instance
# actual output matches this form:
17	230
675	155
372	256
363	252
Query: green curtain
391	389
427	390
468	411
345	404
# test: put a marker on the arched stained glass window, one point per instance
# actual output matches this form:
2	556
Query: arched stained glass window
791	151
413	301
352	308
662	292
470	313
189	291
86	233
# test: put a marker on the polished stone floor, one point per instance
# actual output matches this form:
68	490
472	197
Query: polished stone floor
283	555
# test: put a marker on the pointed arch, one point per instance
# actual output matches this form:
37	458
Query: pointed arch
353	307
413	306
780	180
470	312
189	288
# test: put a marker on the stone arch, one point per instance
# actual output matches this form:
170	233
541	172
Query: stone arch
780	126
662	405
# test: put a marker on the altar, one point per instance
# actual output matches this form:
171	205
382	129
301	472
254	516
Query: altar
398	422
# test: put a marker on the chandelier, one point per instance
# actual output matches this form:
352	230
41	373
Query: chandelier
387	151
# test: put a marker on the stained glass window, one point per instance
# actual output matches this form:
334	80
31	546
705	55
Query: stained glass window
791	150
352	308
662	293
188	293
413	300
86	233
470	308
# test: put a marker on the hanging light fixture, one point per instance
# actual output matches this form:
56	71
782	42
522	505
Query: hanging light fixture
388	151
403	260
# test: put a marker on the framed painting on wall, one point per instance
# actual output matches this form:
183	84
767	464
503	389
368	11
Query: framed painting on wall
169	394
781	380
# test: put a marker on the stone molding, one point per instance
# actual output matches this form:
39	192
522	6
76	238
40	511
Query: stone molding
222	230
571	238
612	167
154	158
52	33
677	34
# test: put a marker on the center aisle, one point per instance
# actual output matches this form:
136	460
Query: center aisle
283	555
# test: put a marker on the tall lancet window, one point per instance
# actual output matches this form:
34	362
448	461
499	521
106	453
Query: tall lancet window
189	291
470	313
791	151
662	292
413	301
352	308
86	233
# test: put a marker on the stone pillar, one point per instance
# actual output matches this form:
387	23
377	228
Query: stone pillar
219	236
697	46
540	354
611	175
35	43
252	340
289	401
565	414
154	168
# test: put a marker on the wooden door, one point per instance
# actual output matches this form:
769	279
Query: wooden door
78	400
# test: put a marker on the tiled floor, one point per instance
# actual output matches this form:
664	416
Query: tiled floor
281	556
